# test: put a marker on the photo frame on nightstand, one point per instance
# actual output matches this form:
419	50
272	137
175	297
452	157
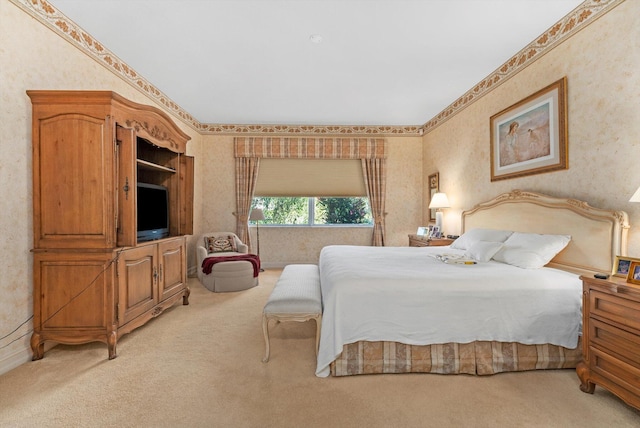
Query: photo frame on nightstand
622	265
634	273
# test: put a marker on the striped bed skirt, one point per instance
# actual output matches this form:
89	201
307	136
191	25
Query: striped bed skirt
476	358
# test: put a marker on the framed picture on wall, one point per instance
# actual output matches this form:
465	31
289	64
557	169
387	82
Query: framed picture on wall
434	186
530	137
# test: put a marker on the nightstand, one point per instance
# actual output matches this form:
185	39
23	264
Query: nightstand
611	338
422	241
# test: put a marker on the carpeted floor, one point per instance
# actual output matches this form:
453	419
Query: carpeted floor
200	366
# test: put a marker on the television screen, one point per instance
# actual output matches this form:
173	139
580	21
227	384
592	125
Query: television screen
153	212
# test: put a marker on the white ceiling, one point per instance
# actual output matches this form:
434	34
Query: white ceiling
381	62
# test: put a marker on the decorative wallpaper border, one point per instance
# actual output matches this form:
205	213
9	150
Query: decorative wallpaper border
580	17
310	129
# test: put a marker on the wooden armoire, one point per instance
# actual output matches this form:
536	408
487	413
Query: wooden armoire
92	278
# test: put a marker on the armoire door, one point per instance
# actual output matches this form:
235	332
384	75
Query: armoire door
173	265
186	195
126	186
137	278
72	182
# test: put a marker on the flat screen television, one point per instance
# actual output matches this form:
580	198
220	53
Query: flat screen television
153	212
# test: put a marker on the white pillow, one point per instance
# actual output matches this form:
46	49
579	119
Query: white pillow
531	250
483	251
474	235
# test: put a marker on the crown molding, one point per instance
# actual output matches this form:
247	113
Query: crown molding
576	20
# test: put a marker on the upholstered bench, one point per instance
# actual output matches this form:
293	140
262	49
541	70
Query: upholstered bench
295	297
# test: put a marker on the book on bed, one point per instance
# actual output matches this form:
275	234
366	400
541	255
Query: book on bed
453	259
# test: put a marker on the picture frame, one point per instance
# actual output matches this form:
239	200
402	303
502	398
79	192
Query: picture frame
434	232
622	265
434	187
530	137
634	273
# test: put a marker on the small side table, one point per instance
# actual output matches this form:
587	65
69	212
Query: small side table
611	338
423	241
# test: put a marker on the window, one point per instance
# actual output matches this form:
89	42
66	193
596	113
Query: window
284	185
308	211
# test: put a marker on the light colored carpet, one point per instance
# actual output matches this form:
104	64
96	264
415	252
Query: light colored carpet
200	366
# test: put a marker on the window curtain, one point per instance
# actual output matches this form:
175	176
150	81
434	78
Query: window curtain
372	151
246	177
375	180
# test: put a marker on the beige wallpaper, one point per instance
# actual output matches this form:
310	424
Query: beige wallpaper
601	64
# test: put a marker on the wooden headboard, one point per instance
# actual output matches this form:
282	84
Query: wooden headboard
597	235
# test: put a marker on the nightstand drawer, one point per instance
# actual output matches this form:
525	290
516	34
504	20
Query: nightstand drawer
615	370
623	343
615	308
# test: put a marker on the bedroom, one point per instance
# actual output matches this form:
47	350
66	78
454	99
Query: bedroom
604	128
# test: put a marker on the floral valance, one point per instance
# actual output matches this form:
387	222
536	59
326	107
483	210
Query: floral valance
310	148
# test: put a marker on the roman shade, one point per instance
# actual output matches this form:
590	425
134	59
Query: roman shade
310	177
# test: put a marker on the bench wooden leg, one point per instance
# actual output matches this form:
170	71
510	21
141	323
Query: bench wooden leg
265	332
288	317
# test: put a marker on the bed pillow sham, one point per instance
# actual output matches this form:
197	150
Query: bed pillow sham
475	235
483	251
531	250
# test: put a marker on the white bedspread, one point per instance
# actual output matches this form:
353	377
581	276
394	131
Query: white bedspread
402	294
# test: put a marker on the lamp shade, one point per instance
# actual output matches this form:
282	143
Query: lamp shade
256	214
636	196
439	200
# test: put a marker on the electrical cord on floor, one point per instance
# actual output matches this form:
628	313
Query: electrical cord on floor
16	329
112	261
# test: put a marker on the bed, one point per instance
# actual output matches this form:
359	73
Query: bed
402	309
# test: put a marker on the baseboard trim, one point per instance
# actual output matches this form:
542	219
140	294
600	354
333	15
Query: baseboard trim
273	265
192	272
14	359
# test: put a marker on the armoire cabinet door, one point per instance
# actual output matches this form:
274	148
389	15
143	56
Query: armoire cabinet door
186	195
72	291
126	186
73	182
137	277
73	298
173	269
